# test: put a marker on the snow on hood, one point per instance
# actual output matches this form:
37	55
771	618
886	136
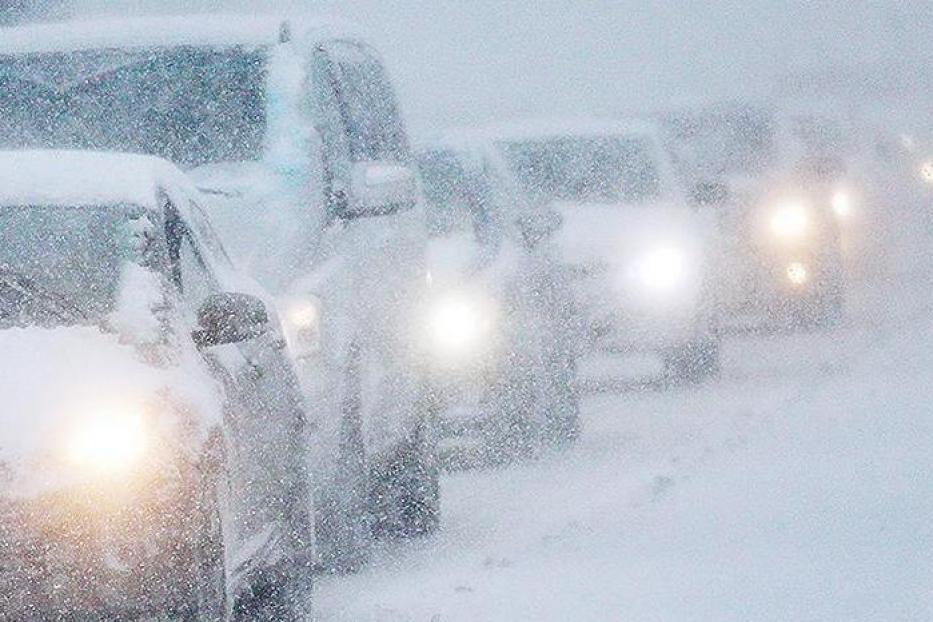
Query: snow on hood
599	234
53	380
452	257
73	178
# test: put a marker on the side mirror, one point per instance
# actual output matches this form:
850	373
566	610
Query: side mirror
380	188
538	225
709	193
230	318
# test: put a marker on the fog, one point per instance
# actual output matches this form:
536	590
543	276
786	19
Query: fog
654	348
461	63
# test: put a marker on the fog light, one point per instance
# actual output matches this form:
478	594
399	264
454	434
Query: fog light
797	273
926	171
842	204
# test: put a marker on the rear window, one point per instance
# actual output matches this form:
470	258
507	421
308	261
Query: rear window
192	106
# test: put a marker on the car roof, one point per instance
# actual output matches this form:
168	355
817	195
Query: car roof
542	129
85	178
197	30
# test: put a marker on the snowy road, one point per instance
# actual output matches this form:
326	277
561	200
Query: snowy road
796	487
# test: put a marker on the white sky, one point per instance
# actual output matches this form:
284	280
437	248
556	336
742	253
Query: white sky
466	61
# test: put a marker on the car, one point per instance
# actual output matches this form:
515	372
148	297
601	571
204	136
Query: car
501	319
641	260
153	444
292	126
780	187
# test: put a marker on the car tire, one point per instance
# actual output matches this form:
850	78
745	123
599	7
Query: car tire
562	417
693	362
406	492
344	520
209	594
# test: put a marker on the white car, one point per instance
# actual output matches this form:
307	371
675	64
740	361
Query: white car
500	322
642	259
292	126
153	450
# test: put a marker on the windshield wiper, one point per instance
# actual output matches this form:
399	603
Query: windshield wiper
25	288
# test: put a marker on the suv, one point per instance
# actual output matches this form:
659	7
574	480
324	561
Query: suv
501	321
293	127
641	259
153	452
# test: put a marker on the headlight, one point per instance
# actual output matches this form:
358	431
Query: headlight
841	203
662	269
926	171
790	221
107	442
458	324
797	273
302	320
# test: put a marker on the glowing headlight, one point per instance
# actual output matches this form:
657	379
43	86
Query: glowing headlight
662	269
458	324
790	221
301	315
107	442
797	273
301	318
841	203
926	171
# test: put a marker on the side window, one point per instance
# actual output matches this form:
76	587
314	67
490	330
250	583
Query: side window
366	103
336	156
190	274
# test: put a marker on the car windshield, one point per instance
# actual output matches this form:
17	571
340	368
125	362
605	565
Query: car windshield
192	106
601	169
458	200
58	265
728	143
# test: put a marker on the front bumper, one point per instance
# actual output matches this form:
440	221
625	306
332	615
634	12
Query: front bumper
79	555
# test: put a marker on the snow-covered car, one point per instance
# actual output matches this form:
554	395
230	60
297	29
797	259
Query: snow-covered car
641	259
292	126
500	318
779	185
153	452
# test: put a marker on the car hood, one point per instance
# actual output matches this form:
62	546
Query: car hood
53	381
610	234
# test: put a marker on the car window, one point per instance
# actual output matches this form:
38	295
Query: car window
189	105
335	146
585	168
459	198
366	103
191	275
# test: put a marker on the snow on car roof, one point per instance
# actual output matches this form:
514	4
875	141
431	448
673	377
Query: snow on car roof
76	178
538	129
201	30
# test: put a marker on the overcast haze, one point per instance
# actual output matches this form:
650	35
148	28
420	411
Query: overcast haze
461	62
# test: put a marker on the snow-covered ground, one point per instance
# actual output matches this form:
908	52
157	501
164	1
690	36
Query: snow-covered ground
797	487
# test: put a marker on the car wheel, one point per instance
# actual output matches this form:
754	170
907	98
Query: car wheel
406	493
829	310
508	432
209	594
693	362
344	523
562	418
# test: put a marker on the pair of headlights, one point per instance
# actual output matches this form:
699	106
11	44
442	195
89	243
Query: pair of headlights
793	220
457	324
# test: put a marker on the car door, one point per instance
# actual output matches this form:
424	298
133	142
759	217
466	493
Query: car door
264	419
